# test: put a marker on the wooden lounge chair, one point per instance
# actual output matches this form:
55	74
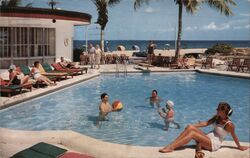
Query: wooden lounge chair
47	68
246	64
75	71
208	63
10	89
234	64
58	74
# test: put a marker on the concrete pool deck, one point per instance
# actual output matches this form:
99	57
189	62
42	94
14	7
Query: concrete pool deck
12	141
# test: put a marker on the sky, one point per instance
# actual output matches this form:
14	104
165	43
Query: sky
159	20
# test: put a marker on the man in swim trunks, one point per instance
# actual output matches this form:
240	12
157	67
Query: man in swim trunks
104	108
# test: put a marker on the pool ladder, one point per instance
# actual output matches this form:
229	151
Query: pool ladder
121	67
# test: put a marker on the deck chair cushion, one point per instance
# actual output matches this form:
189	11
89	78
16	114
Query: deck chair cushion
41	150
57	66
47	67
41	69
25	69
48	149
74	155
28	153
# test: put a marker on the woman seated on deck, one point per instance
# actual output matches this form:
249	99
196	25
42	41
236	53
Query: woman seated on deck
211	141
36	74
13	77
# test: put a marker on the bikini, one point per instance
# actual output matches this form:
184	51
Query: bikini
16	81
217	135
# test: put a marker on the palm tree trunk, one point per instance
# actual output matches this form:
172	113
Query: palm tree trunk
177	51
102	39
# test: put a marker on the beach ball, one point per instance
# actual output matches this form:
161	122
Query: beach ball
117	105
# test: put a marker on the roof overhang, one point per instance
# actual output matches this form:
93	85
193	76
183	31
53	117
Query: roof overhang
42	13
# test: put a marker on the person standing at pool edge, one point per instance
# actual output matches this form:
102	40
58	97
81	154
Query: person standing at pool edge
211	141
150	51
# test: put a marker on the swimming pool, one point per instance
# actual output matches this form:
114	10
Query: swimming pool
195	95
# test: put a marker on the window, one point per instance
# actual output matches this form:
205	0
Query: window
25	42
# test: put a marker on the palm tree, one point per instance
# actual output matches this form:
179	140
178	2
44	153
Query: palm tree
102	20
13	3
191	6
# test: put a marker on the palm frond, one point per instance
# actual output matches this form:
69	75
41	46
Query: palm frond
102	9
221	5
29	5
113	2
191	5
138	3
14	3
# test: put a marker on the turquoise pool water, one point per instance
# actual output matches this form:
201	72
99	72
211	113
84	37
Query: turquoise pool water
195	95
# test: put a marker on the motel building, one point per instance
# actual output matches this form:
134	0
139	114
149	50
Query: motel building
37	34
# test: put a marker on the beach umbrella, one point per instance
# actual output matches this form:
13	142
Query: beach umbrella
121	48
135	47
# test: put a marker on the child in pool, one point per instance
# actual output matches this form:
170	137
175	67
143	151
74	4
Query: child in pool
168	116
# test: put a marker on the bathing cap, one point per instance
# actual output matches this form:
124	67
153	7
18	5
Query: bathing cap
170	103
12	67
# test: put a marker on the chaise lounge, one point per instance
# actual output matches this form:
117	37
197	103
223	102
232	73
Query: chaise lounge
75	71
10	89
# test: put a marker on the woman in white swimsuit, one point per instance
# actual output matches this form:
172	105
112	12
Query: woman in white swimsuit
211	141
35	73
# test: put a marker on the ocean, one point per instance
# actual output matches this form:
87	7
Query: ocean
161	44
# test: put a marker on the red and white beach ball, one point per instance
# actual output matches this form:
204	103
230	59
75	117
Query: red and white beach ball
117	105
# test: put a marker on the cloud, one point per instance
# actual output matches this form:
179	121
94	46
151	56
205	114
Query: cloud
149	10
241	27
245	14
189	28
163	30
213	26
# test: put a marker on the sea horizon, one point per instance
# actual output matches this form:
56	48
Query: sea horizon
164	44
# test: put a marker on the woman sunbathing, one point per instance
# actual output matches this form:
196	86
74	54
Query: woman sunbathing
13	77
211	141
35	72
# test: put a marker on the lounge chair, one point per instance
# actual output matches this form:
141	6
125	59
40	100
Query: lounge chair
75	71
59	75
246	64
47	68
26	71
208	63
234	64
45	150
9	89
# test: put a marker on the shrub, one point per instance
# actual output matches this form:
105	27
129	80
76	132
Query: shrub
223	49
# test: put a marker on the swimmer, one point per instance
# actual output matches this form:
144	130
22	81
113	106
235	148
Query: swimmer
154	99
168	116
104	108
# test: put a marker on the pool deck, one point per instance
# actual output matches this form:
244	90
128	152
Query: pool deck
12	141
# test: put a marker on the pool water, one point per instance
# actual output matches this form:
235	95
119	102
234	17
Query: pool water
195	95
